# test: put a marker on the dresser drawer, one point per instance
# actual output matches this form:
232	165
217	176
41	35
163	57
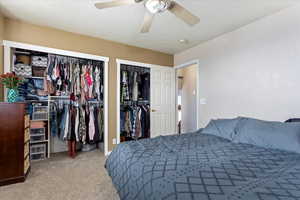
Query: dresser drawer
26	135
26	121
26	164
26	149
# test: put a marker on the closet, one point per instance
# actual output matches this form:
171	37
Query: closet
76	102
66	97
134	102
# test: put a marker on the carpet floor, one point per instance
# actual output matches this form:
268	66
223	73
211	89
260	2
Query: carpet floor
63	178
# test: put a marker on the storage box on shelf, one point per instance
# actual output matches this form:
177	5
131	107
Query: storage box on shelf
38	151
39	61
38	157
39	130
39	142
37	138
37	135
40	113
38	71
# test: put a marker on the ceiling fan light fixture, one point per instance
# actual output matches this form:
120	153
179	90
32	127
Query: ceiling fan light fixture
183	41
157	6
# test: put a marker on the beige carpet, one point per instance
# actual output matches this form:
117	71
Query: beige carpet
63	178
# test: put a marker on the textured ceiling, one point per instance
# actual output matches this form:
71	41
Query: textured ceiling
122	24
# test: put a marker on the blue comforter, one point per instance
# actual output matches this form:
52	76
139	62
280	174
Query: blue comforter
202	167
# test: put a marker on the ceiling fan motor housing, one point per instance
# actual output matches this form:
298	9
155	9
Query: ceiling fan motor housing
157	6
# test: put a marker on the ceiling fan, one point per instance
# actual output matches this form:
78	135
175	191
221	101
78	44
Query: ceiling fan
153	7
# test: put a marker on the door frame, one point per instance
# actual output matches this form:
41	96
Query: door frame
187	64
119	63
8	60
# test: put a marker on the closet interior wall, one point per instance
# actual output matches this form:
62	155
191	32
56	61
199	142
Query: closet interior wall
134	102
53	86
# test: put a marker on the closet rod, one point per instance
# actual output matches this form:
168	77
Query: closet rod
135	68
60	97
80	60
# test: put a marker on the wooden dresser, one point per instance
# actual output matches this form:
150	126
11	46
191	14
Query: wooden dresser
14	143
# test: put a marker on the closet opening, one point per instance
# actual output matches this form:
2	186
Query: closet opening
187	98
145	101
66	97
134	102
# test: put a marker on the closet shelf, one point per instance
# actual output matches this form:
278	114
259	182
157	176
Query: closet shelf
38	120
37	153
36	100
35	77
39	66
22	52
60	97
39	134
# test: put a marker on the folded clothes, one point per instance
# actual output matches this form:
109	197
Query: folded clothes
32	89
38	84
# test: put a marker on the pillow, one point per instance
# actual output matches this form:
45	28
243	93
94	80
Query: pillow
275	135
292	120
224	128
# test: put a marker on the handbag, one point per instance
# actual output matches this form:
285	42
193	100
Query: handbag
23	70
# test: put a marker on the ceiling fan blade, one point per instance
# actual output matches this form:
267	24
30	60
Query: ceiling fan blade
147	22
114	3
183	14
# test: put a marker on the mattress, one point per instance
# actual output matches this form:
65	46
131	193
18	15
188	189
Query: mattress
202	167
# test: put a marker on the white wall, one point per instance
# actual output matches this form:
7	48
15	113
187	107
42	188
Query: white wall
189	98
253	71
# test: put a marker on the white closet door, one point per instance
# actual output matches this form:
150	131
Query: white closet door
162	100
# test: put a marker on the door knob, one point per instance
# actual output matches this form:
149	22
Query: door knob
153	110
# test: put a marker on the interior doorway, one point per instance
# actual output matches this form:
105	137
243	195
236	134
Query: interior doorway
187	98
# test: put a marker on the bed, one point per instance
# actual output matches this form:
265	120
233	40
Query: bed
202	166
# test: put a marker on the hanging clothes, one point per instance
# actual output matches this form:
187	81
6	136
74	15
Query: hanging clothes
97	88
71	135
77	120
70	75
66	123
138	126
124	88
76	89
145	121
100	120
91	123
135	121
135	87
144	86
82	125
77	124
127	123
53	120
